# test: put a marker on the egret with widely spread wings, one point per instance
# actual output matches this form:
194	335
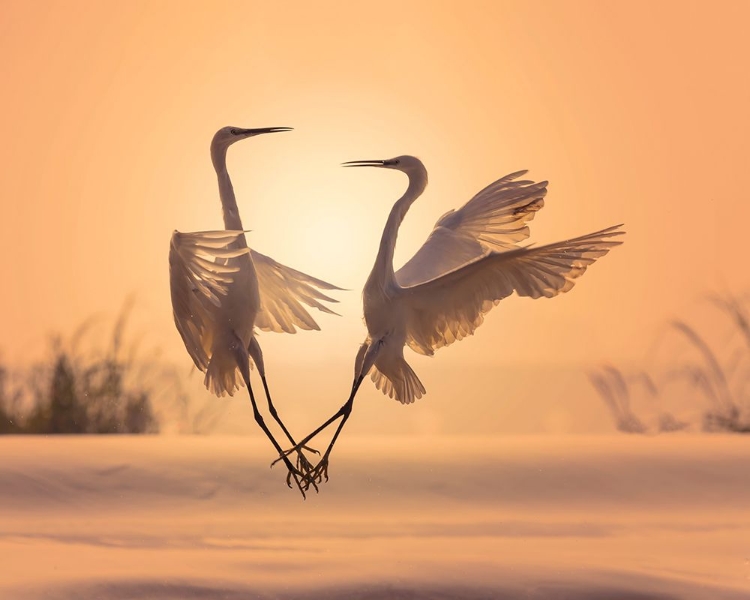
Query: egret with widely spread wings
221	290
469	263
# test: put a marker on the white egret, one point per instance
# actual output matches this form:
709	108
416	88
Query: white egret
221	290
469	263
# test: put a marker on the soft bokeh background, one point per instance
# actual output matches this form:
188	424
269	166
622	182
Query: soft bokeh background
635	113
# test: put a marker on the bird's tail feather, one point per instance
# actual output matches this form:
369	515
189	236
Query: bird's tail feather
223	375
402	382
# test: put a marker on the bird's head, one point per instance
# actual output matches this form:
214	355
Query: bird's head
226	136
408	164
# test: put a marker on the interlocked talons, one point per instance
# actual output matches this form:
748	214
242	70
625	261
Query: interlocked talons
310	476
316	475
303	464
301	472
304	474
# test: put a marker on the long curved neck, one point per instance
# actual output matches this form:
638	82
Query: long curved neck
383	269
226	192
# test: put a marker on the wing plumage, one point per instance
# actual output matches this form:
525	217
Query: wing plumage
201	268
451	306
494	219
283	291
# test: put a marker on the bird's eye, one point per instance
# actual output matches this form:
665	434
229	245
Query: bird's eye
234	132
397	161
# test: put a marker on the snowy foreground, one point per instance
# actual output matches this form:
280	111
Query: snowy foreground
517	517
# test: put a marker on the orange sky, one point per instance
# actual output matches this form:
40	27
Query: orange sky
635	113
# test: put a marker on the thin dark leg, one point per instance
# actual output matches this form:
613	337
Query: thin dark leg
275	414
347	413
320	471
259	420
344	410
303	465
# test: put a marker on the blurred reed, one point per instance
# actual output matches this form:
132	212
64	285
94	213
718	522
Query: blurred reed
718	380
84	386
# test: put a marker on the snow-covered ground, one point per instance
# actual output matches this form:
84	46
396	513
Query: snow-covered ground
545	517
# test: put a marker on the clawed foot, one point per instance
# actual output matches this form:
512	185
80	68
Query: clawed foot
304	475
316	475
303	467
303	464
299	478
301	482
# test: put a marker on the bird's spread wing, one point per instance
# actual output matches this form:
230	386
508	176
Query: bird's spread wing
283	291
452	306
201	266
494	219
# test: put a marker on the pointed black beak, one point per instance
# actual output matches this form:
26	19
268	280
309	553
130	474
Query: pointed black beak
364	163
261	130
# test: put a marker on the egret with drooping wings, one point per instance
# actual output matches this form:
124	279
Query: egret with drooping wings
470	261
221	290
